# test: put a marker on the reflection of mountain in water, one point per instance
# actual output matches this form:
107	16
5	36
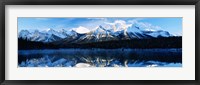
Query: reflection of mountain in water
100	58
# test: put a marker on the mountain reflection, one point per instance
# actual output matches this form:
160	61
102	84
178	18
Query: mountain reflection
100	58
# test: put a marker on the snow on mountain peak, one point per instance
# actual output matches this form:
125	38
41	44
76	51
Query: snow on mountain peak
24	33
51	31
134	29
63	30
81	30
100	30
98	33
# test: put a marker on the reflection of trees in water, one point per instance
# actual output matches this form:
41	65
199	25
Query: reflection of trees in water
105	58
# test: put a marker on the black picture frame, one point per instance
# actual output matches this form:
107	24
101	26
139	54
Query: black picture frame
99	2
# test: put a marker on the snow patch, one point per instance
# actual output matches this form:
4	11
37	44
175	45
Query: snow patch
81	30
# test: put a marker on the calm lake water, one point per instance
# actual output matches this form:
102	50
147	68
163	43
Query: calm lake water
100	58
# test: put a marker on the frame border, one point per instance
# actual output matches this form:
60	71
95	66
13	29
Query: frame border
99	2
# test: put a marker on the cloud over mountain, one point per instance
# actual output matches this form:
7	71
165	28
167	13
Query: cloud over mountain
172	25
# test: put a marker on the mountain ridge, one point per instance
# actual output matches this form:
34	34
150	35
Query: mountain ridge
97	35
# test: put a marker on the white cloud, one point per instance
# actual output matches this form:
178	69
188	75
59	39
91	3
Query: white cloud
144	26
118	25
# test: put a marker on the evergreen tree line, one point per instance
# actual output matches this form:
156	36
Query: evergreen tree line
24	44
164	42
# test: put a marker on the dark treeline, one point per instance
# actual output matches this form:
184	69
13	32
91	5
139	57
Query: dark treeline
167	42
24	44
170	42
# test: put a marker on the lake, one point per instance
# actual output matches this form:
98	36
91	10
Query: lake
100	58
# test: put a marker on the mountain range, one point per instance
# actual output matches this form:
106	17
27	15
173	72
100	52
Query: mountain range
97	35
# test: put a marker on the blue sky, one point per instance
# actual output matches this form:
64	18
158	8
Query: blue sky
172	25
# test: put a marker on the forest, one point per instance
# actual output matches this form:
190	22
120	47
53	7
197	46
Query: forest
162	42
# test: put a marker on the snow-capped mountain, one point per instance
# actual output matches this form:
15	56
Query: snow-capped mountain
81	30
102	34
53	32
44	36
25	34
141	33
83	35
